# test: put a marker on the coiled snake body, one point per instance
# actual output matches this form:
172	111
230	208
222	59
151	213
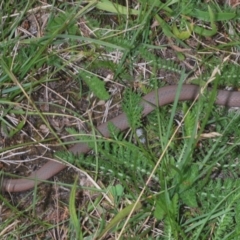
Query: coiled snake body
163	96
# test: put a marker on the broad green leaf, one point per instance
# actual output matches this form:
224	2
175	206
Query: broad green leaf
109	6
183	35
222	16
117	190
205	32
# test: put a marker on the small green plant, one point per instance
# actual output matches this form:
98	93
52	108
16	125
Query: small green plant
64	62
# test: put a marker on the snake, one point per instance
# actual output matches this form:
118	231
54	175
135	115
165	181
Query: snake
160	97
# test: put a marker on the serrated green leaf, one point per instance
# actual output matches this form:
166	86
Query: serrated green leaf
133	109
96	85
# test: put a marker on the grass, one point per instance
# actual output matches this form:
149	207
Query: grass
66	67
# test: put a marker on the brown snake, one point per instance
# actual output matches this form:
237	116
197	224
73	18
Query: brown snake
163	96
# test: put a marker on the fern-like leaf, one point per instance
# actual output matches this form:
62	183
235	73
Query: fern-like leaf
96	85
224	224
131	106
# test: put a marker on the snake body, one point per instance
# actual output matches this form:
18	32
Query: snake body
162	96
